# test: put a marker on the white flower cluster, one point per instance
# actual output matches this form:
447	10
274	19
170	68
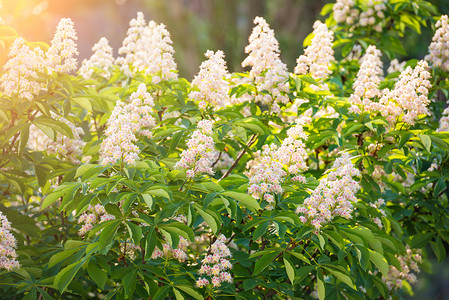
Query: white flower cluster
439	48
409	263
200	153
396	66
444	121
62	145
211	84
21	76
317	57
8	246
22	70
267	70
269	168
63	48
334	195
366	85
129	44
148	48
102	59
126	122
93	216
368	13
215	264
409	97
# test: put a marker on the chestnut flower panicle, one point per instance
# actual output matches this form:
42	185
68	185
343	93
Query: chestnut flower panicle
439	48
213	88
334	196
356	14
444	121
147	48
366	85
267	70
102	59
409	97
155	55
21	76
270	167
60	55
216	264
129	44
396	66
8	246
92	216
318	56
200	153
127	121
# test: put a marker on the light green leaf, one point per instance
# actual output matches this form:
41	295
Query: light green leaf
290	270
379	261
321	289
190	291
245	199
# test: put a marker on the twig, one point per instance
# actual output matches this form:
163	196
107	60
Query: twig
219	156
251	141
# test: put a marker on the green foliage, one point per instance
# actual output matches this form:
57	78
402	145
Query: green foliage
274	253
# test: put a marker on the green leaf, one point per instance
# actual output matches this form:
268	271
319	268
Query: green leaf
83	102
190	291
83	169
66	275
24	135
260	230
158	193
264	261
150	243
210	220
107	235
289	269
426	141
363	255
304	272
249	284
135	232
53	197
178	294
245	199
148	200
97	274
341	276
379	261
404	139
321	289
421	239
439	249
55	124
322	242
161	293
129	283
299	256
58	257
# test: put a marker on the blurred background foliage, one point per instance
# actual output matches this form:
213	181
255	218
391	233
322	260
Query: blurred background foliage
196	26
